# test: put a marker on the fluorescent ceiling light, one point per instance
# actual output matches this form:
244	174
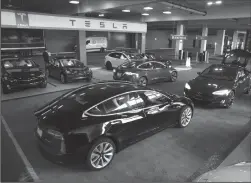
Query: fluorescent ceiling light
167	12
145	14
209	3
126	10
74	1
101	15
218	2
148	8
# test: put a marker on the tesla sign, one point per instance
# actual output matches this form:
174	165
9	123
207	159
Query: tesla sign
22	19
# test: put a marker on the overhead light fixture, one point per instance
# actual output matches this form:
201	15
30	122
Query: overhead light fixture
218	2
148	8
145	14
126	11
74	1
209	3
101	15
167	12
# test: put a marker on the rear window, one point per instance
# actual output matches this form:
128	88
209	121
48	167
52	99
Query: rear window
128	65
69	62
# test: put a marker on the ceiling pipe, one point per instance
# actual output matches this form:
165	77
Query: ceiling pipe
204	13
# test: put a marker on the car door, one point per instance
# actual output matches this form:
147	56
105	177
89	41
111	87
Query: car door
125	115
118	60
161	70
158	110
150	72
111	58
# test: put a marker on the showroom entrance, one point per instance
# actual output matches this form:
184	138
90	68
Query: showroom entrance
27	34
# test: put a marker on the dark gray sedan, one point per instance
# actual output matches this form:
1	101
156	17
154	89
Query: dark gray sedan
145	72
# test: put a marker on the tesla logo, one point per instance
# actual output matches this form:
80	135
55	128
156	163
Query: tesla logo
22	19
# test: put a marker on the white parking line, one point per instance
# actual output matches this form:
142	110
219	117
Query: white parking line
20	152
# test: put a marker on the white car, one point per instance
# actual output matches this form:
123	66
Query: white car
94	44
240	172
115	59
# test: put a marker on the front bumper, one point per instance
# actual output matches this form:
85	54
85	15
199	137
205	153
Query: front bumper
208	99
80	76
15	84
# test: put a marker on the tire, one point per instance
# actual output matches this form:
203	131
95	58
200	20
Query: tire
96	163
108	65
230	100
5	89
185	117
63	78
174	76
43	85
143	81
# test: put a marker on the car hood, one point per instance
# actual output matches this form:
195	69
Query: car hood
63	115
24	73
209	85
235	173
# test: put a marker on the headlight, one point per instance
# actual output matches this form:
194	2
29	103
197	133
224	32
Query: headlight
221	92
187	86
170	66
55	134
114	70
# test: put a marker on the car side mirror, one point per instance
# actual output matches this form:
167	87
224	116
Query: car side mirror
199	73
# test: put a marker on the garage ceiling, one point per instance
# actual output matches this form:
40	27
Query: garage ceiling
112	9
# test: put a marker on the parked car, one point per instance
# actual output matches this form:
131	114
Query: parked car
100	119
219	84
68	69
239	172
95	44
145	72
114	59
20	73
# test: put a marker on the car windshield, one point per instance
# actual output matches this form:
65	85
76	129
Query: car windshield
17	63
135	56
70	62
219	72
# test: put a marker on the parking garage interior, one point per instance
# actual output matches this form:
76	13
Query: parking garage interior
192	34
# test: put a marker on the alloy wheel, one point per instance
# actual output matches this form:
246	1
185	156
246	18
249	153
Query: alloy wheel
230	99
186	116
174	76
102	155
143	81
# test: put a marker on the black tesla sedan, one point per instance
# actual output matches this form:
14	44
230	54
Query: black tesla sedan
21	73
101	119
219	84
68	69
145	72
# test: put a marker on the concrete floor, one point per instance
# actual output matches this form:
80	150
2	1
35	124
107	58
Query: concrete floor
171	155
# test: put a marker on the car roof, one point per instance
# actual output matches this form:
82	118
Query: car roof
97	92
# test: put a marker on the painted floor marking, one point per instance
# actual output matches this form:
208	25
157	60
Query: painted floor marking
26	162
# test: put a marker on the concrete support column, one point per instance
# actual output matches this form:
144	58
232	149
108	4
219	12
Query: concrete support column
82	47
235	40
109	40
136	41
143	43
220	42
203	46
179	43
